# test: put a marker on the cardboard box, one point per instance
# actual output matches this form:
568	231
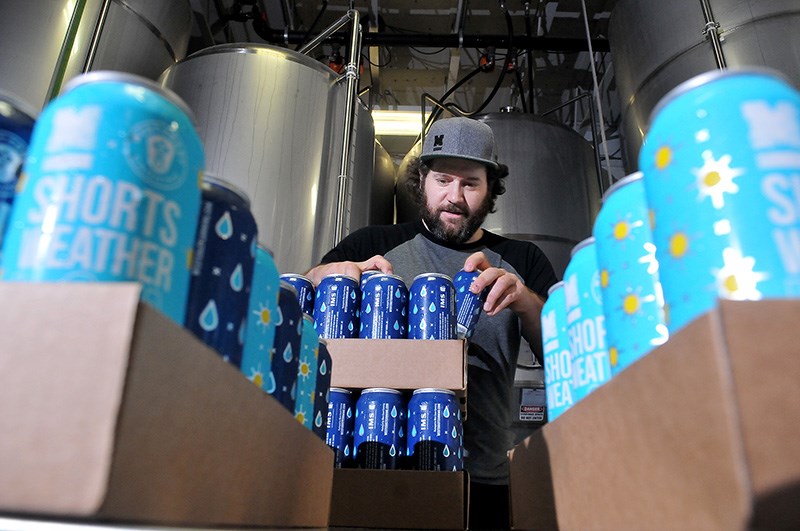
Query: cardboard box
399	499
111	411
700	434
404	364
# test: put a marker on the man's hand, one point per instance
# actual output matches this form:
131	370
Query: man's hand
353	269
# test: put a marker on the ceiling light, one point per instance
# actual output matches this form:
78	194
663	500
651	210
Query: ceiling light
397	123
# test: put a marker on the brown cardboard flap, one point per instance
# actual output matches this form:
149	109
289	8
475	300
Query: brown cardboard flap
532	500
399	499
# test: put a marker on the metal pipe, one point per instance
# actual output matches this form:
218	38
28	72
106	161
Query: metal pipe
711	31
351	74
96	34
449	40
327	32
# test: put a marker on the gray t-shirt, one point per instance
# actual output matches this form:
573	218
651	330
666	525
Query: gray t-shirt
494	346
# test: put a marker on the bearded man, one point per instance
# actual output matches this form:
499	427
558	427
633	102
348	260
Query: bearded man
456	180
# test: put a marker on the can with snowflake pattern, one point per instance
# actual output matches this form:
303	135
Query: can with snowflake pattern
721	164
435	431
305	291
323	389
586	329
432	307
379	432
305	395
222	269
262	314
633	303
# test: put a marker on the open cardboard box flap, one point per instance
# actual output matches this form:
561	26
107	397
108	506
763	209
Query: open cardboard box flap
110	410
700	434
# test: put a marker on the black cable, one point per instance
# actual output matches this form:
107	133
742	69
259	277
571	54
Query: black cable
518	77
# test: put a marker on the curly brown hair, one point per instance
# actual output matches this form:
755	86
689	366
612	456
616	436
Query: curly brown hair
416	167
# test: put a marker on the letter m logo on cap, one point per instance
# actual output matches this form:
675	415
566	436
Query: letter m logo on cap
438	142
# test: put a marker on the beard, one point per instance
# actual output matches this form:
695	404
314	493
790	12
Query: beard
455	233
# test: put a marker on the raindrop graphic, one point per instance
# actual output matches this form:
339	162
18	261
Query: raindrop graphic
318	419
323	308
347	450
415	310
394	412
287	353
369	309
446	413
413	430
454	433
361	430
432	307
323	370
422	325
423	292
209	318
397	293
353	295
461	289
396	325
269	383
237	278
308	296
349	412
224	226
400	432
446	451
392	451
361	327
350	326
403	312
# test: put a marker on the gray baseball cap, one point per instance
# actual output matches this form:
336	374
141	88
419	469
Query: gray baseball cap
462	138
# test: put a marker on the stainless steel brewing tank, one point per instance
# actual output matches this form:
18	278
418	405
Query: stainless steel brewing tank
264	115
43	43
657	44
552	193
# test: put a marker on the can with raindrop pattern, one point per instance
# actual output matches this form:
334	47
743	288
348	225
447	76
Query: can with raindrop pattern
585	321
339	426
468	304
435	431
323	388
307	367
432	307
384	308
16	126
379	431
365	276
721	164
109	191
222	269
633	303
262	314
337	306
557	356
286	351
305	291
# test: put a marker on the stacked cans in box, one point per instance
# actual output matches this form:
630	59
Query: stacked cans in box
712	214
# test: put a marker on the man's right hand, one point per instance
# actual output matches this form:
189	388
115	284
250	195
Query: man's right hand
353	269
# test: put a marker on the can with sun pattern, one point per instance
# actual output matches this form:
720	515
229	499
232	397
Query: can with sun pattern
323	388
305	291
262	314
110	191
557	356
379	432
435	431
286	351
721	165
432	307
633	304
16	127
586	329
468	304
339	426
384	308
337	306
222	269
305	397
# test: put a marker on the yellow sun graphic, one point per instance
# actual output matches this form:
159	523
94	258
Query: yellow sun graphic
300	415
736	279
257	377
678	245
605	277
621	230
663	157
264	315
715	178
631	303
613	356
304	369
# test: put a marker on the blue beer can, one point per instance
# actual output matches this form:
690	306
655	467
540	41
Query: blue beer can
379	432
586	329
110	191
435	431
305	291
468	304
16	126
384	308
337	306
721	166
557	356
365	275
323	388
432	307
633	302
286	351
307	374
262	314
339	426
222	269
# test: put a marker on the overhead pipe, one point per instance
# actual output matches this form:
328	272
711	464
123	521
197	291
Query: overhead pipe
711	32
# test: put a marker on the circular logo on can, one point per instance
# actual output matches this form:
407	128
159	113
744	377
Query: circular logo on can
155	153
